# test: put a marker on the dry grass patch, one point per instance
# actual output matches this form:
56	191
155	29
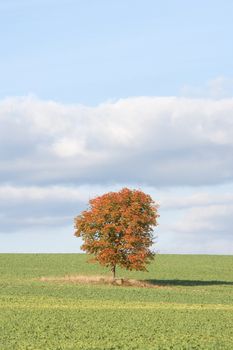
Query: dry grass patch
100	280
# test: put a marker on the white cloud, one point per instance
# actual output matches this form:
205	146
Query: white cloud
152	140
54	157
198	199
211	219
220	87
68	148
35	193
205	229
191	221
168	198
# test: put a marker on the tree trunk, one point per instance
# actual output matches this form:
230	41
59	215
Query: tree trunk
113	269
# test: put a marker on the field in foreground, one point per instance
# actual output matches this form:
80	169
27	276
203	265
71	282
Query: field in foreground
192	308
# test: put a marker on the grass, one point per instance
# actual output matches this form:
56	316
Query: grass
192	310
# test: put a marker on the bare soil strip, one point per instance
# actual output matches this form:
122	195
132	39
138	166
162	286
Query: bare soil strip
101	280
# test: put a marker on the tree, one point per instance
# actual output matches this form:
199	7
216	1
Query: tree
118	229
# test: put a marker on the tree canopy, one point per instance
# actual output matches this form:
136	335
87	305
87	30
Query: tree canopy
117	229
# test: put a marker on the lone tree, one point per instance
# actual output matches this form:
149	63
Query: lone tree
118	229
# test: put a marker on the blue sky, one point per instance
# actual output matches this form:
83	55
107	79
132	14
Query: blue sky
94	50
96	95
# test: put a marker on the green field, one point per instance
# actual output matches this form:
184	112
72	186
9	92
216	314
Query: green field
192	308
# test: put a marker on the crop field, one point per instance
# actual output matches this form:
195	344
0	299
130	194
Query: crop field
192	307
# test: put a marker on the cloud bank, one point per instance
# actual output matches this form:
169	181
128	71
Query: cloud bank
54	157
165	141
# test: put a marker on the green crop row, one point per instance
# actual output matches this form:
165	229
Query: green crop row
191	306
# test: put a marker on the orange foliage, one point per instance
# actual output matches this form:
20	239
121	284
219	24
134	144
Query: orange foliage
118	229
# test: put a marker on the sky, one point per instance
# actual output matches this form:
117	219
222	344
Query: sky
97	95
